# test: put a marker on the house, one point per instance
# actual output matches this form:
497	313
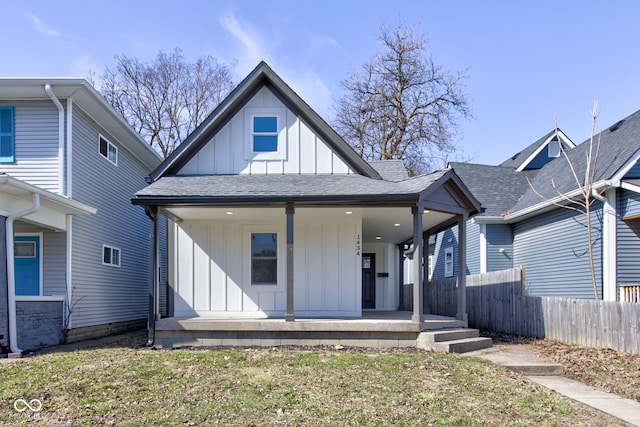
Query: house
73	250
273	216
523	225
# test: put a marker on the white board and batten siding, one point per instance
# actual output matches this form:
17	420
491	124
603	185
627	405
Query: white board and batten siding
104	293
36	144
210	267
301	150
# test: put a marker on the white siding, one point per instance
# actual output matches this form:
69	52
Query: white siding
210	271
36	144
303	151
107	294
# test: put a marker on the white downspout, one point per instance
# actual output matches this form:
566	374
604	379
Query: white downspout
11	278
61	152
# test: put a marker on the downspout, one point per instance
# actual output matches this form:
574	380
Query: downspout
61	152
11	279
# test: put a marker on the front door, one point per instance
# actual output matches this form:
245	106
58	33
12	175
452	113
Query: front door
26	255
368	281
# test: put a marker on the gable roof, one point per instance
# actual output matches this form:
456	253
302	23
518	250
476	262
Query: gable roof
89	100
522	159
497	188
619	151
261	76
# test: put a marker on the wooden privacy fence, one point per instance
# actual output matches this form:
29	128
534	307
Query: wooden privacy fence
495	302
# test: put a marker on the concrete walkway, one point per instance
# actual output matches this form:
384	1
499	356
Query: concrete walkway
522	359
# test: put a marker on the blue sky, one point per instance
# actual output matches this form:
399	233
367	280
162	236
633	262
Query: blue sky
529	62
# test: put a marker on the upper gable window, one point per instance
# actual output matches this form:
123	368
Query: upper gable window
265	134
7	137
108	150
553	148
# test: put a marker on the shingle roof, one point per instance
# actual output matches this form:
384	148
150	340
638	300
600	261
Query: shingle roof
618	144
517	159
497	188
264	187
391	170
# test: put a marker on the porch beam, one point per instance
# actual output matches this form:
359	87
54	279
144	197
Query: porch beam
462	267
418	270
425	271
401	276
289	211
152	212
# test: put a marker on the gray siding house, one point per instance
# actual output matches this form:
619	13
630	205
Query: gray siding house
74	251
522	224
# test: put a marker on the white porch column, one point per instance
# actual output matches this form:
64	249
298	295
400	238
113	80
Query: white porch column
289	316
462	267
418	270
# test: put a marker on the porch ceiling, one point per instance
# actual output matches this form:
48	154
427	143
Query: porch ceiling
391	224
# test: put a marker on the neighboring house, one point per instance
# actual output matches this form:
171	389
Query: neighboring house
272	214
519	227
74	251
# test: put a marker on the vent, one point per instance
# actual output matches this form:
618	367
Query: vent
616	126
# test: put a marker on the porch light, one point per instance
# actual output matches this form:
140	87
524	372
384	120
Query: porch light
348	212
396	225
229	213
378	237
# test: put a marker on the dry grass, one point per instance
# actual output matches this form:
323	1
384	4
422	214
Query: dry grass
280	386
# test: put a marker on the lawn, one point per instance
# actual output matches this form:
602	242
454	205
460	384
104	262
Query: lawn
277	386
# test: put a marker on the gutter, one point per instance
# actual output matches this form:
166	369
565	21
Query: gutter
11	279
62	159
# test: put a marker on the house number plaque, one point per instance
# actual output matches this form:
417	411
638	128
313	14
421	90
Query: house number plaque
358	245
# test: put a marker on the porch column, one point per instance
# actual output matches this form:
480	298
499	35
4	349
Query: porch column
289	210
462	267
401	277
427	286
418	270
152	212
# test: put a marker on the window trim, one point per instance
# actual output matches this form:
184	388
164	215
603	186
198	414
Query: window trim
109	145
111	249
279	113
448	268
12	134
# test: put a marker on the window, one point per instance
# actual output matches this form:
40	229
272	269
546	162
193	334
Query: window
264	258
24	249
448	262
265	134
108	150
110	256
553	148
7	138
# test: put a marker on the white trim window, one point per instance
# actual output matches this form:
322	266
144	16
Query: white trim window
111	256
265	133
448	261
108	150
264	258
553	148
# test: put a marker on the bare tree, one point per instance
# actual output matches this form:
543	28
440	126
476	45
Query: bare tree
167	98
582	200
402	105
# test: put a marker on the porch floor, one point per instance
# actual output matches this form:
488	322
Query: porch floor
373	329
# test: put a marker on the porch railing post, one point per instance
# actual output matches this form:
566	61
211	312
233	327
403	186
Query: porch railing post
289	316
418	270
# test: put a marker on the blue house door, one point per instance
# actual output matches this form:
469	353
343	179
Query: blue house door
26	255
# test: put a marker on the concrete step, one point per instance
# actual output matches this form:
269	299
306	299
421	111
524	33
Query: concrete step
449	334
459	340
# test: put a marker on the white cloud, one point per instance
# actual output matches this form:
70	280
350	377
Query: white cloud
41	27
253	48
84	66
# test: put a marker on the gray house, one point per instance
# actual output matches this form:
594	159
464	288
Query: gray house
522	224
73	251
